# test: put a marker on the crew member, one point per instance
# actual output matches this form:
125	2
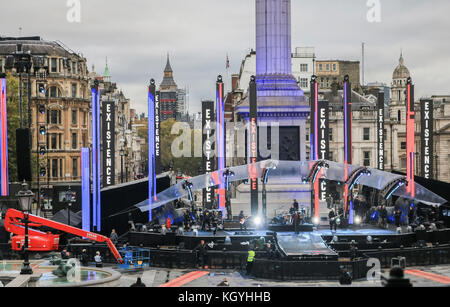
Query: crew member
250	260
411	214
201	252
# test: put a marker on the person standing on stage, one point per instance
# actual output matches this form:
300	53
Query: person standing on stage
398	217
383	216
332	220
296	222
411	215
295	204
242	222
215	222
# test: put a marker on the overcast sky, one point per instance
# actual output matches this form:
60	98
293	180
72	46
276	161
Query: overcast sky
136	35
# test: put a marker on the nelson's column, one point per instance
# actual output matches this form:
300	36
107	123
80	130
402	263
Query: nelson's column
280	101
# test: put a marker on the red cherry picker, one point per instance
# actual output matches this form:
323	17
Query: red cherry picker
39	241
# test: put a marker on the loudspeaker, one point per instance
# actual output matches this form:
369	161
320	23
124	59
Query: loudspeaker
23	154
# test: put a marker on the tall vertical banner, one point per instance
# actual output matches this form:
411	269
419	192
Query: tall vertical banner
85	190
96	184
157	117
314	98
4	180
109	146
208	150
410	136
253	146
348	151
426	137
220	135
380	131
151	146
323	140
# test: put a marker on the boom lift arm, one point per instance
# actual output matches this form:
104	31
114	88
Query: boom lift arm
40	241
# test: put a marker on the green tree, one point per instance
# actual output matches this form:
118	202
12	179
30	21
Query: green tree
12	94
187	165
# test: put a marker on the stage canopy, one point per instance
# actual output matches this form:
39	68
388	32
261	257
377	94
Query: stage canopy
295	169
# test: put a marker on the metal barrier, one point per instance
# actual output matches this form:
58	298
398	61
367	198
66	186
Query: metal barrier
414	256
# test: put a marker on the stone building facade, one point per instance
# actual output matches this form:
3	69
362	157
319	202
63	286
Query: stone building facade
61	85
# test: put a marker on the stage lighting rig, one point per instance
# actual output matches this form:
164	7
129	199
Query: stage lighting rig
311	178
356	175
42	130
227	174
187	185
393	186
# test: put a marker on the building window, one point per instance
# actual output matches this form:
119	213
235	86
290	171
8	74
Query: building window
385	134
330	156
74	167
61	174
74	91
327	67
74	141
74	67
303	82
55	117
54	168
320	67
328	82
399	116
334	67
330	133
307	134
53	65
403	163
403	145
366	158
53	141
74	117
321	82
1	65
366	134
303	67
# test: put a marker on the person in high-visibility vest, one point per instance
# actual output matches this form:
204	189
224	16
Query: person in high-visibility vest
250	260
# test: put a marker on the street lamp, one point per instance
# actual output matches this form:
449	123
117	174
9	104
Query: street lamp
25	197
126	166
122	152
69	201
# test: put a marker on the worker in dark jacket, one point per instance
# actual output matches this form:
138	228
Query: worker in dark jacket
201	253
114	237
84	258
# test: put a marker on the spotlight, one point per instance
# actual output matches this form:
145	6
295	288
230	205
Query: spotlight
42	150
257	221
316	221
42	130
335	239
357	220
369	239
43	171
42	89
42	109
